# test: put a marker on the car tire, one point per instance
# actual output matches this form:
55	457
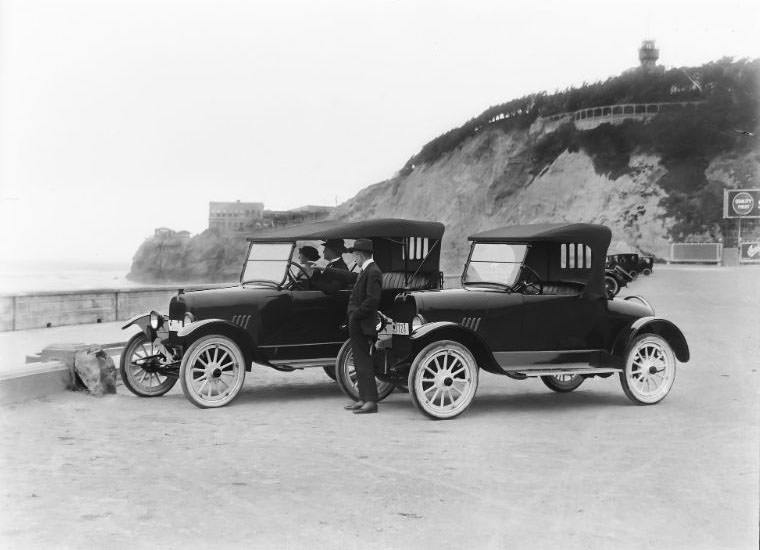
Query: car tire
562	383
646	271
330	371
212	372
611	286
650	369
634	274
345	375
137	380
437	368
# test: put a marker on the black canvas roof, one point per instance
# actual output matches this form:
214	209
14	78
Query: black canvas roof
596	236
386	227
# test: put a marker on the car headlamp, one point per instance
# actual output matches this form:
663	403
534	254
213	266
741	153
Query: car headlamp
155	320
189	318
418	321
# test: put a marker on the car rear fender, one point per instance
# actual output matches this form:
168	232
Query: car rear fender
190	333
654	325
447	330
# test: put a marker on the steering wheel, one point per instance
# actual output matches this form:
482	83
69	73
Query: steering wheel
529	283
293	278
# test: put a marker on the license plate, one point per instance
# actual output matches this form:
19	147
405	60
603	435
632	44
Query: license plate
175	325
401	329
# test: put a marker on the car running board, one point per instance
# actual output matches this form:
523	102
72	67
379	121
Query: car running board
543	371
293	364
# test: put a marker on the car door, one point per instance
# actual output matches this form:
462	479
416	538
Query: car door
312	326
560	322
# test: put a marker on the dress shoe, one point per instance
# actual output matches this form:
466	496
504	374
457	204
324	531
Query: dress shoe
354	405
368	407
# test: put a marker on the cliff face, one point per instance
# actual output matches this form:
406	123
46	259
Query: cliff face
495	179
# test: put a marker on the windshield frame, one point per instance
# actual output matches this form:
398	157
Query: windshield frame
490	284
287	260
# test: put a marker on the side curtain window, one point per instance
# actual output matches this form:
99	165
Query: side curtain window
416	248
575	256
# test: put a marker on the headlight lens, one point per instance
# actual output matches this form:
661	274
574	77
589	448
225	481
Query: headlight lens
155	320
418	321
189	318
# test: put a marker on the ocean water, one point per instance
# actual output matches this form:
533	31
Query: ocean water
35	276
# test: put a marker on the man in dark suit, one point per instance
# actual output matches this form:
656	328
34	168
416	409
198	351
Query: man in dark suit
335	275
362	321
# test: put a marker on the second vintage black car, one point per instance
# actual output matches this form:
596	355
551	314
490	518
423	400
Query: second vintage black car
532	304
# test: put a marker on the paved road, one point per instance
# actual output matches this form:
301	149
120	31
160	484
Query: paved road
285	467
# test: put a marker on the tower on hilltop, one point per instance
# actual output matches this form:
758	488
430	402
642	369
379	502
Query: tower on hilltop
648	55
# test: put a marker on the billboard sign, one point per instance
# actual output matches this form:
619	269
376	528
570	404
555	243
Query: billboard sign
741	203
749	252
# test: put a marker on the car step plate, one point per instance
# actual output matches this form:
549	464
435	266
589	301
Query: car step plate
554	372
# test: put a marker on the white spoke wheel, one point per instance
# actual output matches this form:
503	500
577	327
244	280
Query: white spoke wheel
562	383
650	369
443	379
212	371
345	375
137	368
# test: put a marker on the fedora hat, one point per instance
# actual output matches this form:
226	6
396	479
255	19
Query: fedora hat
335	244
362	245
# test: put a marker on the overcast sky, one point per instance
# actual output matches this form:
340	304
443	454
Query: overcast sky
117	117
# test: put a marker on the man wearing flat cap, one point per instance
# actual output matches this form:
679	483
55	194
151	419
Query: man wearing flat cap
362	321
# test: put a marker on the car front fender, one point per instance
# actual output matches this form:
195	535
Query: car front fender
190	333
654	325
141	320
447	330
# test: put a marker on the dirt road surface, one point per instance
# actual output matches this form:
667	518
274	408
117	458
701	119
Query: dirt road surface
284	466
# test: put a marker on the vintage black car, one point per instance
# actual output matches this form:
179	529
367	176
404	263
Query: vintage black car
615	278
273	317
632	264
532	304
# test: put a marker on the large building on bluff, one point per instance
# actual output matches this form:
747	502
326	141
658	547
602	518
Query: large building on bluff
247	217
229	217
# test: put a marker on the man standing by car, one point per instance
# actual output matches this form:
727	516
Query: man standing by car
362	321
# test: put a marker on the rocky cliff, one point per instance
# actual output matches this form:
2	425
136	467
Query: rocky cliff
498	178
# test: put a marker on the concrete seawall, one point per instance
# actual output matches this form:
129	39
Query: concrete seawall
52	309
80	307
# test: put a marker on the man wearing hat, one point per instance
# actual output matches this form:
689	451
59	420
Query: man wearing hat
362	321
335	275
307	255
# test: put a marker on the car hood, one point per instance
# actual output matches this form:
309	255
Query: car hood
433	301
221	302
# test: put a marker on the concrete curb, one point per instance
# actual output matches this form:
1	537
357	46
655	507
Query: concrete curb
33	381
39	379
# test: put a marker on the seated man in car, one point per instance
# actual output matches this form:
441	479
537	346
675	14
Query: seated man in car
307	255
335	275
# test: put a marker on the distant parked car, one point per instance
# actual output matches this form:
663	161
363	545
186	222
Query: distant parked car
532	304
646	265
615	278
628	262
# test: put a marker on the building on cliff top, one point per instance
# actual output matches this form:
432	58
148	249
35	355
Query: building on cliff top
230	217
247	217
648	55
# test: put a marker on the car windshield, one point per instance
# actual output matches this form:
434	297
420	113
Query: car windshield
267	262
495	264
